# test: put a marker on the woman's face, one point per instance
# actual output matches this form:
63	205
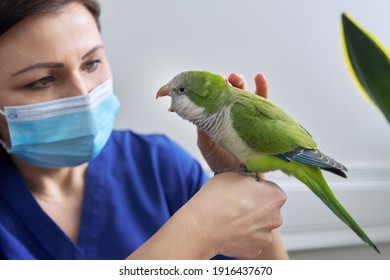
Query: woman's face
50	56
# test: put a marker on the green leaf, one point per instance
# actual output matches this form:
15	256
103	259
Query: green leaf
369	63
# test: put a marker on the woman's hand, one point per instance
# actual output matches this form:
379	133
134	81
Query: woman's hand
231	215
217	157
235	215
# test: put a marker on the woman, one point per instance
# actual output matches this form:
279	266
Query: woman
71	188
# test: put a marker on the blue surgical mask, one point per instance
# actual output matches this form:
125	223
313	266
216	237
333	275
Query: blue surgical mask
62	132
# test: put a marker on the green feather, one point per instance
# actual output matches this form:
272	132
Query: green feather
313	178
265	128
204	89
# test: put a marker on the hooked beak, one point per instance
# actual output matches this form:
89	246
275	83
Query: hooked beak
164	91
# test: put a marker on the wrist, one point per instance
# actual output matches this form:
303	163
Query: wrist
200	236
180	238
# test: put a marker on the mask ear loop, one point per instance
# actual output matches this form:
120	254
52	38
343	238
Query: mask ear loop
2	142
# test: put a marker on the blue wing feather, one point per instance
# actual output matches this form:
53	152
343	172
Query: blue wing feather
314	157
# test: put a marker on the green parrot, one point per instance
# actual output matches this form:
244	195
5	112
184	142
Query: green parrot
257	132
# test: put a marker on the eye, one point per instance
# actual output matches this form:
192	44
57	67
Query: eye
182	90
92	65
42	83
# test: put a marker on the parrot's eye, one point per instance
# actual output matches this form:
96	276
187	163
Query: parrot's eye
182	90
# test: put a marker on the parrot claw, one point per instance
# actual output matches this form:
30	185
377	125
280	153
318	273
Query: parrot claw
240	170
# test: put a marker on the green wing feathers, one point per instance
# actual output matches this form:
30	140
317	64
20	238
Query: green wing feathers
265	127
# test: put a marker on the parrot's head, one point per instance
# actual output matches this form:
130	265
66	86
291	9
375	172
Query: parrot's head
194	93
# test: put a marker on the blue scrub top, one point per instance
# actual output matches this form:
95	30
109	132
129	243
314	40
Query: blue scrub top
132	188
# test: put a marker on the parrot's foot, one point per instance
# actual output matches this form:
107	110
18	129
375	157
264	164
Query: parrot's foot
242	170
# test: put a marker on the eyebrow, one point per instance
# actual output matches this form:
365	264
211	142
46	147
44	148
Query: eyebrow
53	64
94	49
38	66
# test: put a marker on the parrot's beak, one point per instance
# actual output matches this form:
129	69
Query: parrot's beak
164	91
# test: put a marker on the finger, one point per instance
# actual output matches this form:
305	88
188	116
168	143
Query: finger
237	81
204	141
261	85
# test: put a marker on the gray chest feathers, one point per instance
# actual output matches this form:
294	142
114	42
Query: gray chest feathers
219	127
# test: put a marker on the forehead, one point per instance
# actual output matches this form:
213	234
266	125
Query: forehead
44	37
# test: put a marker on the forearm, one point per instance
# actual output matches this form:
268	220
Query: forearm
177	239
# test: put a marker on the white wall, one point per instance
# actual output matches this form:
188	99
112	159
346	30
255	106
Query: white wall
297	45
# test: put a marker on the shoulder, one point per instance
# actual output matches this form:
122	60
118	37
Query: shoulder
160	165
145	144
150	151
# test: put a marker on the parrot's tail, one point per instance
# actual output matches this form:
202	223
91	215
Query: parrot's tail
313	178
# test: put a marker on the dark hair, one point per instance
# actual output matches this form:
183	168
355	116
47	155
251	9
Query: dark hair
13	11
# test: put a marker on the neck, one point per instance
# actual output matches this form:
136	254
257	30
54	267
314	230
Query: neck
213	125
51	182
